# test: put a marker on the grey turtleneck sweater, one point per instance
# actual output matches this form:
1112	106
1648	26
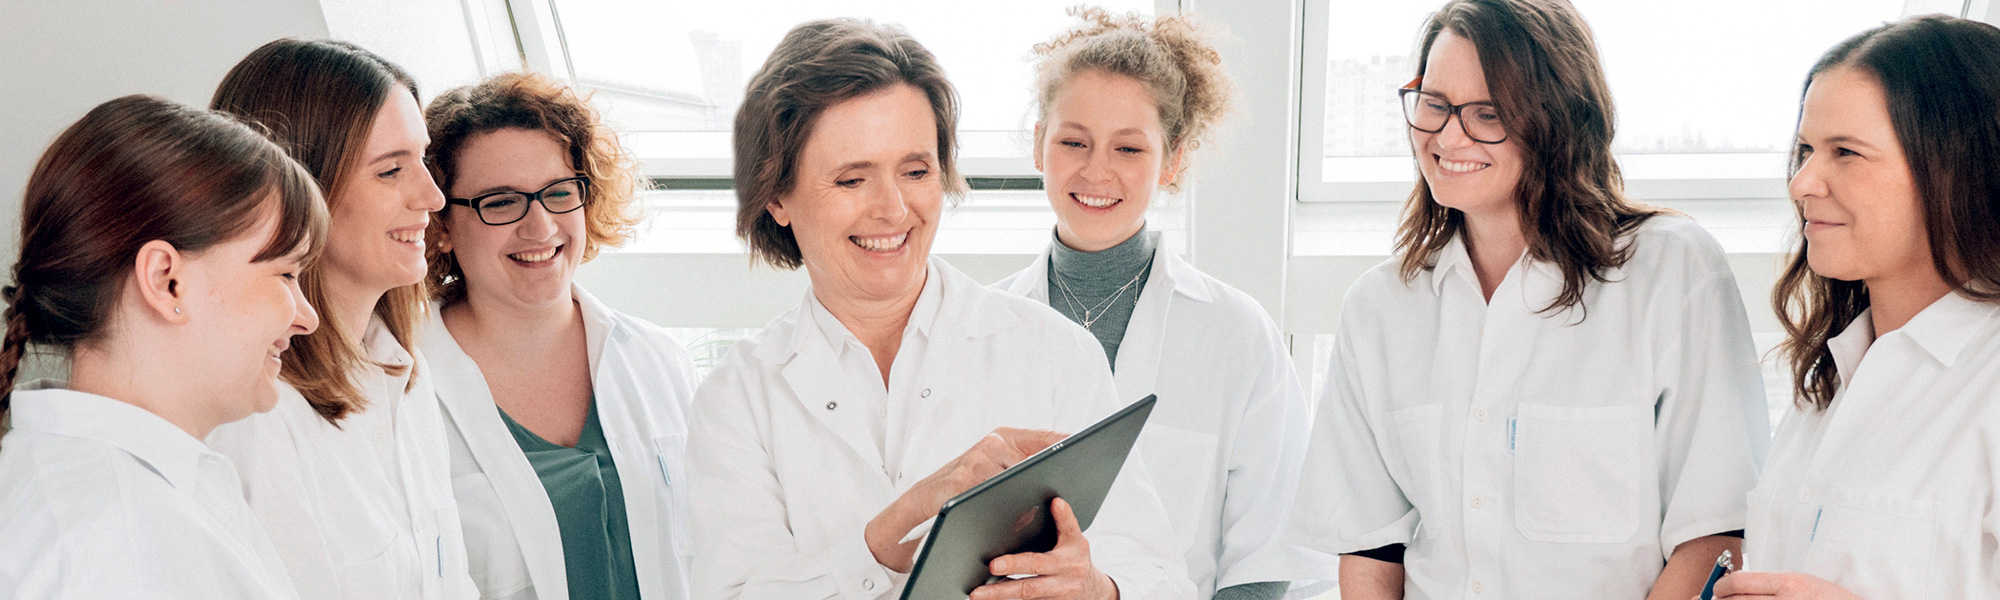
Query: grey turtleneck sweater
1080	281
1105	284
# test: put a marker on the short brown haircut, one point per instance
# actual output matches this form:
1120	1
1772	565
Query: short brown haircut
535	103
817	65
1543	72
1168	54
318	100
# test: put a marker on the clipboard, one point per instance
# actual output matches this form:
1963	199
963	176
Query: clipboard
1009	512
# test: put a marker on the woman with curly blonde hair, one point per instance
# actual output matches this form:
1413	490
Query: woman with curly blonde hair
1120	102
567	418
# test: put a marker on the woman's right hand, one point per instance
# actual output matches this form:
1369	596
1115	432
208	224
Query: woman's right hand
1002	448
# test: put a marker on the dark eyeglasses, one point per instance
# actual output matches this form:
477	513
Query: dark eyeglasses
501	208
1429	113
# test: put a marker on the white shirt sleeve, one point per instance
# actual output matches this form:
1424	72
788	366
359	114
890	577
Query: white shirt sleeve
1263	471
1712	427
1347	499
745	547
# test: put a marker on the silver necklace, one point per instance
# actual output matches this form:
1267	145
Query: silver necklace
1102	308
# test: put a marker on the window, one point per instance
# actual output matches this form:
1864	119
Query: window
1695	118
671	74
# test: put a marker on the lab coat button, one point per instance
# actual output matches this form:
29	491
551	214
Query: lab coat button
1804	495
1479	414
868	584
1478	587
830	405
1478	502
924	394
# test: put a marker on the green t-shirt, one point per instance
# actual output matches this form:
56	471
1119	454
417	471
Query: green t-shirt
582	484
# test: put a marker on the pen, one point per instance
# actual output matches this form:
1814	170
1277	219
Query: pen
1722	566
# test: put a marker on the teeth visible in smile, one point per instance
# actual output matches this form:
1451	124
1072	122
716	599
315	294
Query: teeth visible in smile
408	237
536	256
1459	166
881	243
1094	201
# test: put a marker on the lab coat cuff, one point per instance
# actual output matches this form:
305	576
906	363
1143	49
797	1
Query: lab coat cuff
1674	537
857	575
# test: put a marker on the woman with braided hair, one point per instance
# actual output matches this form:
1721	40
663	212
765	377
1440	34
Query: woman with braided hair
161	247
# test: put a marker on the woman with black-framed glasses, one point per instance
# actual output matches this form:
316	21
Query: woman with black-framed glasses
566	417
1550	391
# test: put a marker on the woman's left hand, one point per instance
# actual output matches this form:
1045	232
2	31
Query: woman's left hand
1063	573
1760	585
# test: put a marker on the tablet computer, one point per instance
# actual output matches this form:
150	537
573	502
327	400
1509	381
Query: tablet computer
1009	512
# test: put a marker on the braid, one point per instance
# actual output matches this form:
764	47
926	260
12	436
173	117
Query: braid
14	345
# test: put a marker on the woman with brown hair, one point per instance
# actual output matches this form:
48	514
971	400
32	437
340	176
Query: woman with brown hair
568	420
160	246
819	444
1120	103
350	472
1551	390
1882	482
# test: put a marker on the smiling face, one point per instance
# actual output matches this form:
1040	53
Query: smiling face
1863	219
242	316
865	201
529	262
1475	178
1102	153
375	240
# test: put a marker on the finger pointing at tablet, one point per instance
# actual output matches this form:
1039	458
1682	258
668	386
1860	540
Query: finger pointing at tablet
1002	448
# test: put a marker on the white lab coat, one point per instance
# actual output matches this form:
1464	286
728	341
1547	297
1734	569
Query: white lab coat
1892	491
787	475
363	511
1519	453
102	499
1229	433
642	381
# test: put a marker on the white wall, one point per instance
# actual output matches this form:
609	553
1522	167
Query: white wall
63	57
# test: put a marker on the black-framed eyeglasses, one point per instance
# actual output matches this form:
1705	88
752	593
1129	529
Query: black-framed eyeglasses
501	208
1429	113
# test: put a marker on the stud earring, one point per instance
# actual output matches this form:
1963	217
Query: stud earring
177	310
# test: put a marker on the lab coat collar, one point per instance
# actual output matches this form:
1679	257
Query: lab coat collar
46	406
1850	344
1948	325
945	290
1453	257
1537	281
600	325
1168	268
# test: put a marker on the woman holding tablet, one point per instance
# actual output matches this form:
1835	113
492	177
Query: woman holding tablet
1551	390
819	444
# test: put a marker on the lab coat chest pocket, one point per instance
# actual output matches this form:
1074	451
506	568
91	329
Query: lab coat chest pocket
1419	435
671	453
1183	467
1578	471
1875	545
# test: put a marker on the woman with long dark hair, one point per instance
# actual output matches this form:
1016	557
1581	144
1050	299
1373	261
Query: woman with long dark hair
1882	482
160	248
1550	390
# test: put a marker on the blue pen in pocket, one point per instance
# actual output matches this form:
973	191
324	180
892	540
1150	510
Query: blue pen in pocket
1722	567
